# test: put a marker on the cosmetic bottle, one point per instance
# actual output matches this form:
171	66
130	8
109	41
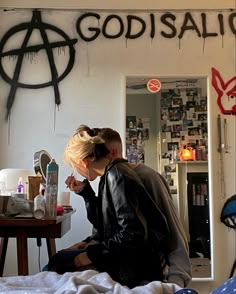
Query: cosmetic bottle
20	186
51	188
39	206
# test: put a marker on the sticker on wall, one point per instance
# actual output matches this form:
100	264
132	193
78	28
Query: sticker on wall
154	85
226	91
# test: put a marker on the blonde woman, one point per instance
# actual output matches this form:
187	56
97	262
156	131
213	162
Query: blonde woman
131	232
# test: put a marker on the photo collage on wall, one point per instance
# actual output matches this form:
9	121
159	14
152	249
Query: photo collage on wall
137	132
183	114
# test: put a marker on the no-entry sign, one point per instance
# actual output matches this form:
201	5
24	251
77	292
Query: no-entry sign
154	85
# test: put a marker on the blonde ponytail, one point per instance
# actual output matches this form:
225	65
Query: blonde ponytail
83	145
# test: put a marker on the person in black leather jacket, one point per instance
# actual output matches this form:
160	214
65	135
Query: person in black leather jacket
177	261
131	231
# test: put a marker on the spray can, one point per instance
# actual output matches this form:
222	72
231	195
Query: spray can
51	188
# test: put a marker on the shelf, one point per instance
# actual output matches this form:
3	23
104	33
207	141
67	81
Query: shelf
192	162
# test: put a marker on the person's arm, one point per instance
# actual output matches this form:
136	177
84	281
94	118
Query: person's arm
84	189
91	202
179	262
179	271
131	233
179	265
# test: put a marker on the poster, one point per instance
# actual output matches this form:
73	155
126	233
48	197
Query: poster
137	132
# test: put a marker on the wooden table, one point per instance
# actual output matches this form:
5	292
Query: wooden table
21	229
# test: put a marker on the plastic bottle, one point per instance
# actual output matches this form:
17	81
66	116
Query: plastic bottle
20	186
51	188
39	206
176	154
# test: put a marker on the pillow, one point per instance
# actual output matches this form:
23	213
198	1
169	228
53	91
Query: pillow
228	287
186	291
228	213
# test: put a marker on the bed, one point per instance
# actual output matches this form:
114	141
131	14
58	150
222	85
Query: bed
86	282
92	282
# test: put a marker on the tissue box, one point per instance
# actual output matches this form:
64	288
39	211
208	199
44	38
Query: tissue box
3	203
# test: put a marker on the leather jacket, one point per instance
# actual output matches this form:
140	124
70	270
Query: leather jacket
131	231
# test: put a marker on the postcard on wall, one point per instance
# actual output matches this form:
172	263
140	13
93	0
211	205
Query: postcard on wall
166	100
131	122
164	114
139	123
202	116
145	134
172	146
132	133
193	131
192	91
174	114
177	102
166	128
146	122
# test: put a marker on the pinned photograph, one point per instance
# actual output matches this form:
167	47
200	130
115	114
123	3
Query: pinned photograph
130	122
193	131
174	114
175	135
192	91
172	146
164	114
202	116
166	100
139	123
177	101
145	134
190	104
166	128
177	128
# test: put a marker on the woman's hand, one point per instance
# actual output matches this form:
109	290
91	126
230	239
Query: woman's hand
82	260
73	184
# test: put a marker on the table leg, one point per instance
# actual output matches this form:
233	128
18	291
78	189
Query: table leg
22	254
3	251
51	245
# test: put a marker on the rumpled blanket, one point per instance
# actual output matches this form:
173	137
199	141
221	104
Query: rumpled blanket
86	282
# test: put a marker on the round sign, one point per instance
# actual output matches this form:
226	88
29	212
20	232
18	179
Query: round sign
154	85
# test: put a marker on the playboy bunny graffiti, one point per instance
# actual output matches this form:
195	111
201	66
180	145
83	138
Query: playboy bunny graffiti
226	91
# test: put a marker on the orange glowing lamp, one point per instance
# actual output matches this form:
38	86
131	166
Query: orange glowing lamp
187	154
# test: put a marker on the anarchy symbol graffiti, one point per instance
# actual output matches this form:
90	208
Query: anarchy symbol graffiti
35	24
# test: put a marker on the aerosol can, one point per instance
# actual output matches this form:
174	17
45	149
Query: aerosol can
51	188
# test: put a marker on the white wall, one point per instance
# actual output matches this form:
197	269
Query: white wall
94	94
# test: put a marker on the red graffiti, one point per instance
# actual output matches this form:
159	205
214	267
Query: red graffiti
226	99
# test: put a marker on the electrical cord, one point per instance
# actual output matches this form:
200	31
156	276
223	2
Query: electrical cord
39	244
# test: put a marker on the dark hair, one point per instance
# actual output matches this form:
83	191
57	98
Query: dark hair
109	135
100	151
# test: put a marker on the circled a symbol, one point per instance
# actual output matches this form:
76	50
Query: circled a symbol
43	28
154	85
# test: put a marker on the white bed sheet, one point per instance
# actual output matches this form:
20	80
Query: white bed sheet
87	282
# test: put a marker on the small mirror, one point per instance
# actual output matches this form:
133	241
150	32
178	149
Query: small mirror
167	129
41	160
